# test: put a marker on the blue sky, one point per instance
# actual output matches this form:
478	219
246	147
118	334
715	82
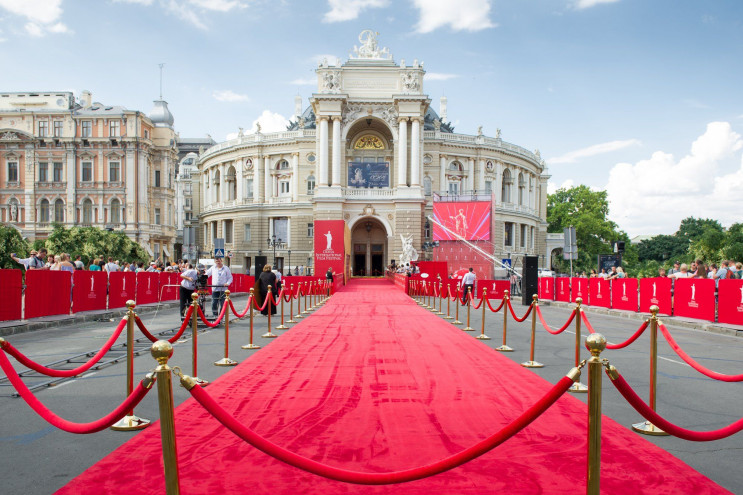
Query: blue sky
641	98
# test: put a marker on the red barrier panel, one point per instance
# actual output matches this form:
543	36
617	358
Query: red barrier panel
433	268
624	294
579	289
599	291
238	283
89	291
47	293
656	291
730	302
546	288
401	282
562	289
148	286
169	286
694	298
11	303
122	287
495	288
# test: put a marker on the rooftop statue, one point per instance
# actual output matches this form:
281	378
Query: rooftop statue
369	48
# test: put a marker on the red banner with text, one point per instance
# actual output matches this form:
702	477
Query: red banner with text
694	298
122	287
656	291
546	288
599	291
148	285
330	250
730	302
169	286
624	294
495	288
579	289
48	293
89	290
11	303
562	289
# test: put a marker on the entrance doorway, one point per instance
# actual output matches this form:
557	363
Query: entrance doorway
369	244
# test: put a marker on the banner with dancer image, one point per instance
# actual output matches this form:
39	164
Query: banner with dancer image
624	294
730	304
369	174
330	247
468	220
694	298
656	291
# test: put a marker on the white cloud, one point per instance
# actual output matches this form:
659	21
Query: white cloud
140	2
42	15
33	29
566	184
270	122
346	10
305	81
218	5
696	104
464	15
596	149
185	13
654	195
439	76
587	4
229	95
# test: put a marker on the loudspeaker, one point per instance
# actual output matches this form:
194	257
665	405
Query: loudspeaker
529	280
260	262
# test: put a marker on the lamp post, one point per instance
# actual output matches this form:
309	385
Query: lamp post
273	242
289	269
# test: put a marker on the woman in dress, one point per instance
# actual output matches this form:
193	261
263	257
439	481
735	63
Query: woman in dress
267	278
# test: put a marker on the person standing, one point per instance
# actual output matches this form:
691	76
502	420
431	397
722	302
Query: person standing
33	262
468	284
277	272
188	286
266	278
79	265
221	279
111	266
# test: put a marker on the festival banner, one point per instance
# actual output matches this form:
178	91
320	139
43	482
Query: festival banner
369	174
11	303
694	298
624	294
562	288
495	288
730	302
89	290
330	247
401	282
656	291
599	291
122	287
431	270
48	292
456	220
148	286
169	286
579	289
546	288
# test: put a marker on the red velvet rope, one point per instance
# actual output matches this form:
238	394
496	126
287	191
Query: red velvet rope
555	332
645	411
683	355
184	324
25	361
472	299
502	302
361	478
526	315
247	308
456	295
217	321
129	404
624	344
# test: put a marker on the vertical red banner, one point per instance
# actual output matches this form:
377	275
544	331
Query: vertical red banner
330	249
562	289
579	289
599	291
546	288
495	288
89	290
122	287
401	281
694	298
47	293
11	302
656	291
168	290
624	294
238	283
148	287
730	302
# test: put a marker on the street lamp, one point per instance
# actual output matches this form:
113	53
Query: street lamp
273	242
289	270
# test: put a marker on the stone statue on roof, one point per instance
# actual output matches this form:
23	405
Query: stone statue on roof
369	48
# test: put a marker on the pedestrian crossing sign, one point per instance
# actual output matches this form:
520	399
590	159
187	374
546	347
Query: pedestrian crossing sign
219	253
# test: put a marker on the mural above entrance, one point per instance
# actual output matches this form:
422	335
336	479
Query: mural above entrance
368	174
368	143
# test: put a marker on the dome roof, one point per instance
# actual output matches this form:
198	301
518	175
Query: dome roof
160	115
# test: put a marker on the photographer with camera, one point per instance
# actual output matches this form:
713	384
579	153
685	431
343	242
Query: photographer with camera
188	286
221	279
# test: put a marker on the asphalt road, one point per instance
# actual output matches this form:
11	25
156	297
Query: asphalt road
38	459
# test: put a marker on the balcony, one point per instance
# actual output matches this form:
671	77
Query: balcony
362	193
51	185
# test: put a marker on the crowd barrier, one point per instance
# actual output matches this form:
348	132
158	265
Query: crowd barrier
44	290
686	297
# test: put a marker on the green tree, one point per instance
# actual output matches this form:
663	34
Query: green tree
90	242
733	248
691	229
663	248
11	241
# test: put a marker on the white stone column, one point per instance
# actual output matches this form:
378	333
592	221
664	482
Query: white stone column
498	181
257	179
295	176
442	178
240	178
223	193
267	178
336	150
323	173
415	153
470	174
402	152
71	167
481	177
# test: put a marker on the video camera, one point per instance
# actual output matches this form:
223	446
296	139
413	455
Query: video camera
202	280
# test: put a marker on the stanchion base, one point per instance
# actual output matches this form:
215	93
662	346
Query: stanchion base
298	316
200	381
578	388
305	312
648	428
291	321
269	335
281	327
439	312
225	362
457	322
130	423
482	336
468	329
250	346
447	317
532	364
504	348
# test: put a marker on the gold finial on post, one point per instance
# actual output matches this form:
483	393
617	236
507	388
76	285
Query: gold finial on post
506	301
596	343
251	301
482	335
531	363
578	387
226	361
162	350
646	427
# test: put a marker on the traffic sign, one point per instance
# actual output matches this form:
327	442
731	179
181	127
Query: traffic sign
219	253
506	262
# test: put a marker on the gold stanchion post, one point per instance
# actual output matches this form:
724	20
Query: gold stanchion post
448	301
482	335
432	307
161	351
226	361
503	347
269	296
646	427
130	422
282	326
306	290
531	363
596	343
251	345
468	328
195	340
577	387
456	318
291	304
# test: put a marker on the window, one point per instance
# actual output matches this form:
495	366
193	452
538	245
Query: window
170	214
12	171
87	171
427	185
187	188
157	250
531	237
488	187
188	216
508	234
114	128
43	128
311	184
57	172
249	188
87	129
427	230
310	230
59	211
87	212
284	187
283	165
280	228
44	211
43	172
505	192
115	211
114	169
58	128
246	233
522	186
188	202
157	178
157	216
227	228
214	231
147	134
522	237
454	188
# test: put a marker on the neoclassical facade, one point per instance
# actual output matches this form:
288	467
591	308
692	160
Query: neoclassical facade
370	150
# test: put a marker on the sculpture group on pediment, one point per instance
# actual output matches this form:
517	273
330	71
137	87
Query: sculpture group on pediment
410	81
332	82
369	48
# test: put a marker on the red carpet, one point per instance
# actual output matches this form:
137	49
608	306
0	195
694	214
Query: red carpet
371	382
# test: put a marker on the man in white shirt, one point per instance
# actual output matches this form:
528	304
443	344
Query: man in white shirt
221	279
468	284
111	266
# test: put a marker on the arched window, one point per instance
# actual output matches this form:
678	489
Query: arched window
506	186
216	186
44	211
231	183
87	212
115	211
282	165
59	211
522	187
310	184
427	185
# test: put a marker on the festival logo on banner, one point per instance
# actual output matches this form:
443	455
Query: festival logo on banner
624	293
654	297
91	294
693	302
329	246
